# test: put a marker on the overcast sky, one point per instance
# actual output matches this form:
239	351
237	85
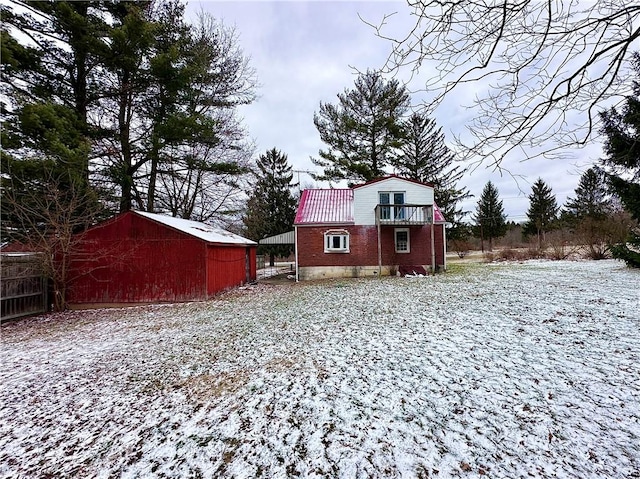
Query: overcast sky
306	52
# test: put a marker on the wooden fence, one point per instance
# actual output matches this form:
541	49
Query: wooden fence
23	287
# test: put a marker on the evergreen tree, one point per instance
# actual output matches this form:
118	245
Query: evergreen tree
362	130
591	198
489	217
49	84
542	212
622	163
271	209
130	45
425	157
591	215
199	76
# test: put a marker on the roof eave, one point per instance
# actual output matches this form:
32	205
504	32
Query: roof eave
327	223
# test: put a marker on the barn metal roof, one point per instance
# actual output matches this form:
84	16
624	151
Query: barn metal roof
203	231
325	206
282	238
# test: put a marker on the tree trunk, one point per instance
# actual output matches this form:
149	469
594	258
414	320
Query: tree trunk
126	182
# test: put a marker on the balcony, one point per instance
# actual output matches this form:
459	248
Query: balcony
403	215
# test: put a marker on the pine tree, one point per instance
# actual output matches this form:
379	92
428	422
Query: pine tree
622	163
362	130
199	76
271	208
489	217
542	212
425	157
591	198
594	220
49	85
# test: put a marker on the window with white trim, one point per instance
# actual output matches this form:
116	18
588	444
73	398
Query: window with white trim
401	236
336	241
385	198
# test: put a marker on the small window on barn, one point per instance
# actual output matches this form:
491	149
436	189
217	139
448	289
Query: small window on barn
402	240
336	241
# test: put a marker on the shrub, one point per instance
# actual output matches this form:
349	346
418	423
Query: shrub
461	247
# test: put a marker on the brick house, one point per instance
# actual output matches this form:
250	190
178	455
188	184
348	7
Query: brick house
381	227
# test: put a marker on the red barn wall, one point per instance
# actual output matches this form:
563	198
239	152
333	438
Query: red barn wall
227	266
133	259
363	246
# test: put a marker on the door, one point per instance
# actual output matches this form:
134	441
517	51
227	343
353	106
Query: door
247	264
385	211
398	211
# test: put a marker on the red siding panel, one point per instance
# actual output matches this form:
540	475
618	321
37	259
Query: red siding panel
229	266
132	260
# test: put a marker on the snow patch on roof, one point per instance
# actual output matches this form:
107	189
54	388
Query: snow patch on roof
205	232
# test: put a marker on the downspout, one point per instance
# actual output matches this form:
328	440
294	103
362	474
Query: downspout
444	244
433	240
295	246
377	212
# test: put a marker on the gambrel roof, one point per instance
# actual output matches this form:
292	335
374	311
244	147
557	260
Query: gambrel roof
334	206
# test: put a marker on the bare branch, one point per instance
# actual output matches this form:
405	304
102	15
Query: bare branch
542	68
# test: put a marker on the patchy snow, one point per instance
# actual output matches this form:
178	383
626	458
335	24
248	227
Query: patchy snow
206	232
508	370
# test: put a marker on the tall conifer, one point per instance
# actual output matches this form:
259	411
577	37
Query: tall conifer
425	157
489	217
622	163
271	208
542	212
362	130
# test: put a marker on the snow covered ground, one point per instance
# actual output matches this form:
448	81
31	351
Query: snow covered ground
502	371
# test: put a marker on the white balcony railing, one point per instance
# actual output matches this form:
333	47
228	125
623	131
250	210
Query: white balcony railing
402	215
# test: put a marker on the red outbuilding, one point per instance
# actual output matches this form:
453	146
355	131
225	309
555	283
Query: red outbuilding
139	257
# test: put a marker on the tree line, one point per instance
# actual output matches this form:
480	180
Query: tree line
125	105
593	217
114	105
604	212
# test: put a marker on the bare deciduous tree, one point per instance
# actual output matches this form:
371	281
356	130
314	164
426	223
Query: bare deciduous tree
540	70
44	217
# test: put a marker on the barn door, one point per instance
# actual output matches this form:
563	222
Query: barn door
247	264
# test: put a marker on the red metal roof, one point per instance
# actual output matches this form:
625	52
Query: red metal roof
438	217
325	206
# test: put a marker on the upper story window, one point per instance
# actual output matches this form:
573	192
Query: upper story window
336	241
391	198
